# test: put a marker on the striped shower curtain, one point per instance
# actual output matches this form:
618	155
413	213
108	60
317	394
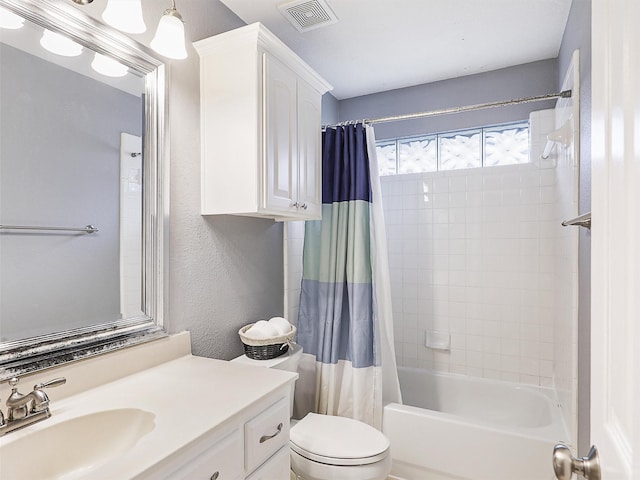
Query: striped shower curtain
344	324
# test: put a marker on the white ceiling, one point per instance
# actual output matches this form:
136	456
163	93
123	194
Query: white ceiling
380	45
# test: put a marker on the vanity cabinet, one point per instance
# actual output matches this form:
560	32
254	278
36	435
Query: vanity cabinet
260	127
253	445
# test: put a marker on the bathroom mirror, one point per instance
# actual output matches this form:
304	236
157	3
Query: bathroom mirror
84	188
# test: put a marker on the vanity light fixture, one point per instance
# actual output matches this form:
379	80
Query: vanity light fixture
108	66
169	39
126	15
59	44
10	20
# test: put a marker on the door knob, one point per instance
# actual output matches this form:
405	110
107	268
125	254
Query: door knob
565	464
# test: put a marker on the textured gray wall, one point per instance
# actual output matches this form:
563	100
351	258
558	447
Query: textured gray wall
578	36
224	271
59	170
526	80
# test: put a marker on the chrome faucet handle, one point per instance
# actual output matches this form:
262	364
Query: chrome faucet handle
40	400
56	382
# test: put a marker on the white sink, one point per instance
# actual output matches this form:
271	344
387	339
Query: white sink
73	448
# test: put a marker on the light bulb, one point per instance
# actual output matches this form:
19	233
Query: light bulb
125	15
108	66
10	20
60	45
169	39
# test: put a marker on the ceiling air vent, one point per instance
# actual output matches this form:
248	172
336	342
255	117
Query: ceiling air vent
306	15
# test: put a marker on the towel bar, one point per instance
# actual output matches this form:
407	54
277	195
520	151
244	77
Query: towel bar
85	229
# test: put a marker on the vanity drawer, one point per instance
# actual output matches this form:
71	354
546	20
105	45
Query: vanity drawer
223	457
266	433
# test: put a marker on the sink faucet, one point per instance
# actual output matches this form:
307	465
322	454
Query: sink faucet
20	412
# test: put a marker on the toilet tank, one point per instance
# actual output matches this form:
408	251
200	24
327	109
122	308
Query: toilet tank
288	362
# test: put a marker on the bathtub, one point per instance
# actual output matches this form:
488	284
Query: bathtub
454	427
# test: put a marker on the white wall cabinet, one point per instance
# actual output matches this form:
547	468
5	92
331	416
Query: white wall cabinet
260	127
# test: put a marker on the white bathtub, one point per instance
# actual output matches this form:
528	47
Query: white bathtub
454	427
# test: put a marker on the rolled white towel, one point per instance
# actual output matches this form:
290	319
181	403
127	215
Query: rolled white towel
281	324
262	330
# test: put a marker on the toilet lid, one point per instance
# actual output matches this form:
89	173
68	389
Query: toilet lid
338	440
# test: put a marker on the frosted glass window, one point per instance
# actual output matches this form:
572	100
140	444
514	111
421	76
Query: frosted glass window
506	146
460	150
386	153
417	155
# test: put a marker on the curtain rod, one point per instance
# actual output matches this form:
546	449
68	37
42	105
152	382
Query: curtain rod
447	111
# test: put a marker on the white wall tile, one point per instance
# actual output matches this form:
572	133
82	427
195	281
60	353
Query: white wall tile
440	200
457	199
458	183
440	185
479	251
492	182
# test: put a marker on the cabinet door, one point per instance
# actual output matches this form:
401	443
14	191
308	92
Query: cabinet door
309	151
220	460
276	468
280	166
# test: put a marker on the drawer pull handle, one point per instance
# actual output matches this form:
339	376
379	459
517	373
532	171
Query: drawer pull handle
215	476
264	438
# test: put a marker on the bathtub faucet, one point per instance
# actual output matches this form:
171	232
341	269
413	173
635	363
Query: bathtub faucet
20	413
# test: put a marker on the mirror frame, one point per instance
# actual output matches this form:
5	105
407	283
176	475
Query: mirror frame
24	356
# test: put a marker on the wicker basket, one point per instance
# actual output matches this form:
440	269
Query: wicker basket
269	347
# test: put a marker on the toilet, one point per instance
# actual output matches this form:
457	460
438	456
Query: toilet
325	447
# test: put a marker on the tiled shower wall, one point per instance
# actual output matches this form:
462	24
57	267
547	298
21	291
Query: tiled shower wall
472	253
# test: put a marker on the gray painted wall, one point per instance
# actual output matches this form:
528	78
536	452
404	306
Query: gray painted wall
578	36
514	82
224	271
61	170
330	109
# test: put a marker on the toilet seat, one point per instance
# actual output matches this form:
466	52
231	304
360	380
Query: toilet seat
339	462
339	441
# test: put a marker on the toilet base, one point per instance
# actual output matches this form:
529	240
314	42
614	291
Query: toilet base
307	469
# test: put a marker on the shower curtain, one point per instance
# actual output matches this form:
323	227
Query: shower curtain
345	323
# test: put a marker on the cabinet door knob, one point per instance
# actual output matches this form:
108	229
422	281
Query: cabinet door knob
304	206
264	438
215	476
295	205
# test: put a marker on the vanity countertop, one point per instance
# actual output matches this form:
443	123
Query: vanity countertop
189	396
